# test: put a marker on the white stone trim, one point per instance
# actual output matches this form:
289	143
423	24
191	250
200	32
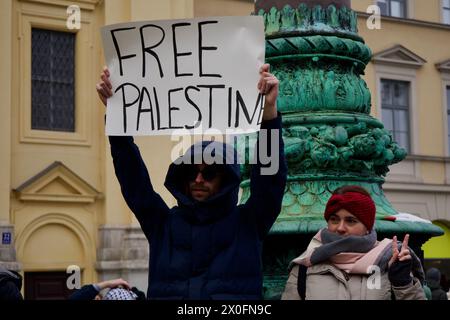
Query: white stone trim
408	170
431	204
400	74
444	66
412	60
445	84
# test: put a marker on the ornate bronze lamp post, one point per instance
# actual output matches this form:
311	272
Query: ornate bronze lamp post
331	139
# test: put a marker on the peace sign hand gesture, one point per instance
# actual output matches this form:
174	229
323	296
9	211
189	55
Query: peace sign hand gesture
400	264
404	253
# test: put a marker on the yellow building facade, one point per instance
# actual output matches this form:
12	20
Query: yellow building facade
60	203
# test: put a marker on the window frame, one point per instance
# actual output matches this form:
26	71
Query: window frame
446	112
447	104
84	82
444	69
394	108
390	72
408	170
406	8
51	126
443	8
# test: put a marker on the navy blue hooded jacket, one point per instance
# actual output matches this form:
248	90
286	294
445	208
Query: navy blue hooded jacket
202	250
10	285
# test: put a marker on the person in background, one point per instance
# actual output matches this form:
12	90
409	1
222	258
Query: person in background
434	283
116	289
10	285
344	261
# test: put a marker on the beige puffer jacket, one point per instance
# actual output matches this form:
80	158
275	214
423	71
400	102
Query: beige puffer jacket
326	282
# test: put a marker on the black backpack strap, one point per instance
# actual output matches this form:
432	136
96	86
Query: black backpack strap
301	281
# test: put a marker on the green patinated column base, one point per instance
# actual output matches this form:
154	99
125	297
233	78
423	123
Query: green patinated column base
331	140
304	204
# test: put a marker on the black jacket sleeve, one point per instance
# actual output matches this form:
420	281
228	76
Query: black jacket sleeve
268	178
147	205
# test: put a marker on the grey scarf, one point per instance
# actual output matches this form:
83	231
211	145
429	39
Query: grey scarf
334	243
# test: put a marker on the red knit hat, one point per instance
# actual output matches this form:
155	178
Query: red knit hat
358	204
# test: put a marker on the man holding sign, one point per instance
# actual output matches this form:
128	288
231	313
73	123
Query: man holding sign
207	247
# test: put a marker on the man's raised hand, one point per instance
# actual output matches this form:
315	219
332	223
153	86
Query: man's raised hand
104	87
268	86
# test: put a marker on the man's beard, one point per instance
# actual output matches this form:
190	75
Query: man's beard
198	187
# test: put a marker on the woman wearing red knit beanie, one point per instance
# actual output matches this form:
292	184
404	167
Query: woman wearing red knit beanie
344	261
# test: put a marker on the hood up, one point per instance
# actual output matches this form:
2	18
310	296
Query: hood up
10	275
209	152
433	277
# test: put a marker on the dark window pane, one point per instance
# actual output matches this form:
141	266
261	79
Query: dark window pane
448	98
398	9
41	112
449	143
383	7
446	11
446	15
52	77
448	117
403	140
393	8
448	131
448	124
388	119
386	94
401	92
395	110
401	121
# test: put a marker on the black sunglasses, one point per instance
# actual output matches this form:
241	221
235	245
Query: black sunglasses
208	173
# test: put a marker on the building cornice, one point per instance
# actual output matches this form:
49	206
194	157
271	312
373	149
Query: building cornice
83	4
57	183
399	55
443	66
428	158
416	187
419	23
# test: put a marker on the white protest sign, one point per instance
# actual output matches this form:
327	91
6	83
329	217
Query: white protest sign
193	75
